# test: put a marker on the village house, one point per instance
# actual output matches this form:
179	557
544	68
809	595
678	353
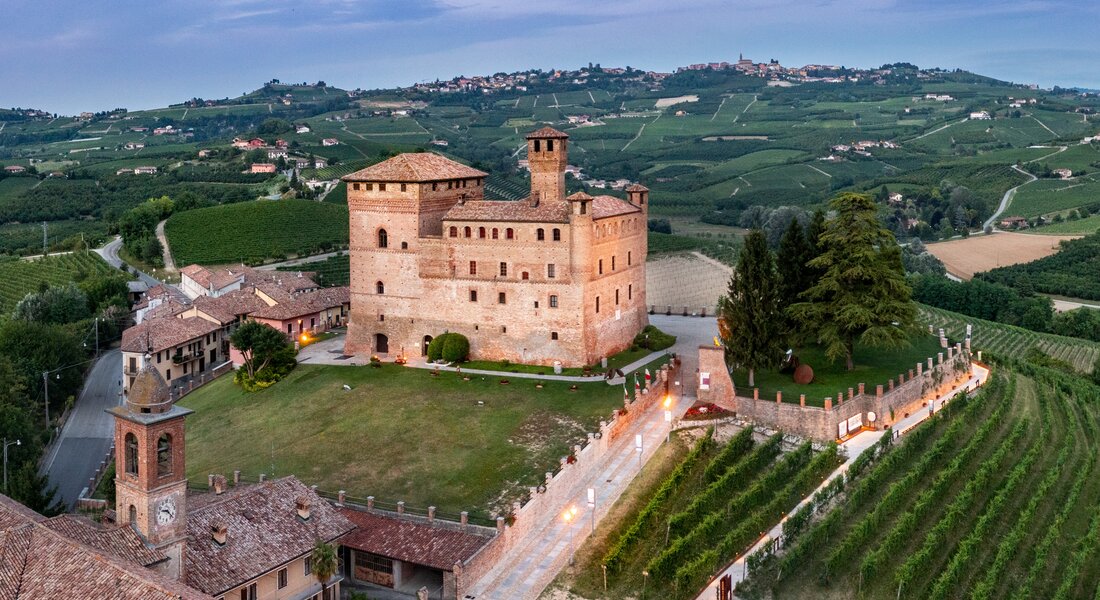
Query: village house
166	130
281	143
330	142
134	145
302	129
124	171
204	153
277	153
178	348
256	143
263	168
1063	173
546	279
319	163
145	170
980	115
1014	223
15	169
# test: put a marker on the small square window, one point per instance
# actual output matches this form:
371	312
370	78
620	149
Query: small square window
501	298
381	318
307	565
553	335
282	578
504	329
369	187
435	186
402	187
553	301
355	186
381	187
473	295
536	303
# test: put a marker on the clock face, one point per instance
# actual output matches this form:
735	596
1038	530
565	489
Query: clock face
166	512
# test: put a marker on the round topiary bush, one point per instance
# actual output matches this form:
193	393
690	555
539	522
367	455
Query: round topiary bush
455	348
435	347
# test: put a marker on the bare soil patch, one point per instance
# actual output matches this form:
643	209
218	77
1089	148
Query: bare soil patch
965	257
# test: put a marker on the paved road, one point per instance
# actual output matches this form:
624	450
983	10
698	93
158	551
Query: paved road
109	252
299	261
169	264
88	433
1007	198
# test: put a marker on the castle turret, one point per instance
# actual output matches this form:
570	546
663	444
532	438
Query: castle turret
547	157
638	195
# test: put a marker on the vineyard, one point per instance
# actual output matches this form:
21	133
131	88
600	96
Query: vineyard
708	509
993	498
331	272
19	277
1011	341
252	232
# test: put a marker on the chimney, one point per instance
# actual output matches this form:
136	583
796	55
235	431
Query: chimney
302	505
219	532
219	484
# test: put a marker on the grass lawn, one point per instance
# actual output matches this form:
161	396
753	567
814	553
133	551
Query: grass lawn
617	361
398	434
873	367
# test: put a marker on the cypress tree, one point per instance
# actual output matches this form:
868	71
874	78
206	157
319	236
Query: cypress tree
749	320
862	294
790	261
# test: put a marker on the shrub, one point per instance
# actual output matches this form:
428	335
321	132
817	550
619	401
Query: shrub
456	348
652	338
435	347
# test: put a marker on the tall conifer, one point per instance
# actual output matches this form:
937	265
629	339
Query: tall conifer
749	318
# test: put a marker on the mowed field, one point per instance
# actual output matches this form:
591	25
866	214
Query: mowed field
965	257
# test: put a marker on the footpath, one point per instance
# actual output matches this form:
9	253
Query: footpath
737	570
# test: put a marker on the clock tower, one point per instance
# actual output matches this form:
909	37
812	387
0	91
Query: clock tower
150	474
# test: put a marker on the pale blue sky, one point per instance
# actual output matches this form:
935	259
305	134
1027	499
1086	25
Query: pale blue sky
71	55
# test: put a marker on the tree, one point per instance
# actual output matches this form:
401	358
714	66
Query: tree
59	305
323	564
794	252
750	321
258	344
862	294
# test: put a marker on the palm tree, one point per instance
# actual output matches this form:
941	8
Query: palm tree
323	564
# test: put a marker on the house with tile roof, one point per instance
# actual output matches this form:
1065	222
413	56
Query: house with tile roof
546	279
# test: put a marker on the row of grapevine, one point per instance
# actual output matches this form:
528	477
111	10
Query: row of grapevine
20	277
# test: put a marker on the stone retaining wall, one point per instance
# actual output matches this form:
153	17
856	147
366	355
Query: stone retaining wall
889	403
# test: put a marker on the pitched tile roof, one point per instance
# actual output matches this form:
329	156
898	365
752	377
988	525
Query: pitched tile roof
546	211
636	187
305	304
227	307
263	532
411	541
414	167
164	333
161	292
121	541
212	279
610	206
546	132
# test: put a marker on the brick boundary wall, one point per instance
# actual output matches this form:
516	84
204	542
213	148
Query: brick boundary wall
898	398
547	499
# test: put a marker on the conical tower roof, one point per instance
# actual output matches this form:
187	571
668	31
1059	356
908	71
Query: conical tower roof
149	392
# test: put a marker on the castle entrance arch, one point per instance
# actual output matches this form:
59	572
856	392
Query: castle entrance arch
381	343
424	346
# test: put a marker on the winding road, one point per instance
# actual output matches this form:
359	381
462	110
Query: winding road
169	264
1007	198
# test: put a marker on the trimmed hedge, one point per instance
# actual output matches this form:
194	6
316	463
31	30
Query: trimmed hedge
451	347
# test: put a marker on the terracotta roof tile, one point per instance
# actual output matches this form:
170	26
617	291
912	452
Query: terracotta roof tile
228	307
263	532
547	211
121	541
546	132
610	206
305	304
164	333
415	167
411	541
636	187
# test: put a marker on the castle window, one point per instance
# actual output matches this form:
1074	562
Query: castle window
435	186
510	234
168	375
402	187
597	304
282	578
467	231
628	254
504	329
550	271
380	287
355	186
383	238
557	235
584	207
404	245
381	187
601	266
369	187
525	276
473	267
164	455
454	231
553	335
496	233
540	235
538	146
612	262
133	515
630	292
549	145
481	232
553	301
131	454
536	303
381	318
503	269
501	298
616	296
450	184
473	295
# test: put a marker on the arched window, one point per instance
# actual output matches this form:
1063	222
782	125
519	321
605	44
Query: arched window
383	238
164	455
481	232
510	234
467	231
404	245
133	515
557	235
380	287
454	231
540	235
496	233
131	454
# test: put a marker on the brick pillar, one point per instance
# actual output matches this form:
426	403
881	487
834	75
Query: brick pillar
878	392
939	358
840	398
862	388
341	497
891	383
210	481
236	478
401	507
431	513
929	363
549	477
802	400
828	404
778	397
910	374
370	502
920	369
464	518
979	355
851	394
263	477
755	393
500	524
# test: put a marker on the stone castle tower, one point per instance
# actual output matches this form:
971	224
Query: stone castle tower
545	279
150	471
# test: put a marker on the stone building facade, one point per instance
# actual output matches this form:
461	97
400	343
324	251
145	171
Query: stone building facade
544	279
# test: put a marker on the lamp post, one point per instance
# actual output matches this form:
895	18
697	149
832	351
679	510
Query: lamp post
46	396
645	580
6	444
568	516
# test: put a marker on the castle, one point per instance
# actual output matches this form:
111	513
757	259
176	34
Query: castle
545	279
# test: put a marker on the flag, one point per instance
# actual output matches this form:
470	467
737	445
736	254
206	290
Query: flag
637	386
626	394
647	377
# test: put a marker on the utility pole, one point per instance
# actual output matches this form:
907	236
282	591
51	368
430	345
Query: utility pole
46	395
45	238
6	444
97	337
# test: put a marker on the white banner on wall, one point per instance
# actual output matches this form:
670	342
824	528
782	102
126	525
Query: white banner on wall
704	381
842	429
855	422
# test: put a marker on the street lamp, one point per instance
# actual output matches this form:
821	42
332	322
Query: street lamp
568	517
6	444
645	580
